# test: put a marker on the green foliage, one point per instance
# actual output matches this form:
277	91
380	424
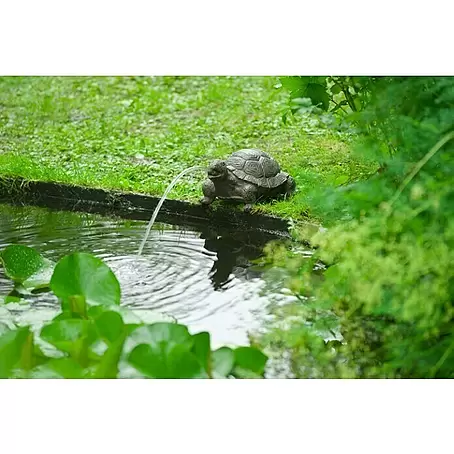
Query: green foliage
91	338
20	262
223	361
26	267
250	363
335	93
81	274
167	354
12	345
387	294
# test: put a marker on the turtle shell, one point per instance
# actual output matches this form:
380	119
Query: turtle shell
257	167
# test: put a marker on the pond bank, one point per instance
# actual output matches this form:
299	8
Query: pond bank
134	206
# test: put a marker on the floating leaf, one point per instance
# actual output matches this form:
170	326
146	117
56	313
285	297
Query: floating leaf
168	335
84	274
110	326
11	348
24	265
155	361
249	363
40	279
202	349
58	368
223	361
165	352
20	262
108	365
69	335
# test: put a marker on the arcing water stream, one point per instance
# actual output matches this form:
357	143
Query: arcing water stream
161	201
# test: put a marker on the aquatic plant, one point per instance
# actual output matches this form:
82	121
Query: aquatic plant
389	247
94	337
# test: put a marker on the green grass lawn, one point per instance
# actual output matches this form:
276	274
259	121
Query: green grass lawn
137	133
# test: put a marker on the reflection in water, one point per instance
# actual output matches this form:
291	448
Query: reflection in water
234	252
203	278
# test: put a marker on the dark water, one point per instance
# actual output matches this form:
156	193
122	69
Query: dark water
201	277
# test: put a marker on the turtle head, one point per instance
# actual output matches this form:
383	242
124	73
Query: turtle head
217	169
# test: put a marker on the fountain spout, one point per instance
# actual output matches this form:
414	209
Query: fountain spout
161	201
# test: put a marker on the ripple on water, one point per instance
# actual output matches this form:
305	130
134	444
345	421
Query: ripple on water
205	283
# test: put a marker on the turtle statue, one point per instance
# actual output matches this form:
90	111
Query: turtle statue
246	176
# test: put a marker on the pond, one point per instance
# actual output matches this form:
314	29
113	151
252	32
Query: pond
200	276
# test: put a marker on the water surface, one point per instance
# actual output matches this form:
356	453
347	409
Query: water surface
200	276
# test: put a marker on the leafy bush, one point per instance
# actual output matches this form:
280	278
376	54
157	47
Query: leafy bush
387	293
334	93
92	337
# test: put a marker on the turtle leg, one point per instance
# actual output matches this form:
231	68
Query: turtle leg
249	196
209	192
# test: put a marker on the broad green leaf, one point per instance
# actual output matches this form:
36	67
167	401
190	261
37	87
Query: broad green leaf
318	79
335	89
249	362
294	83
11	348
159	363
223	361
40	279
94	312
69	335
64	331
165	352
58	368
358	104
108	365
297	94
244	373
24	265
202	350
163	336
86	275
317	93
110	326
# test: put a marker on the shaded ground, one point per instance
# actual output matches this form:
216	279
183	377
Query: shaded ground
137	133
